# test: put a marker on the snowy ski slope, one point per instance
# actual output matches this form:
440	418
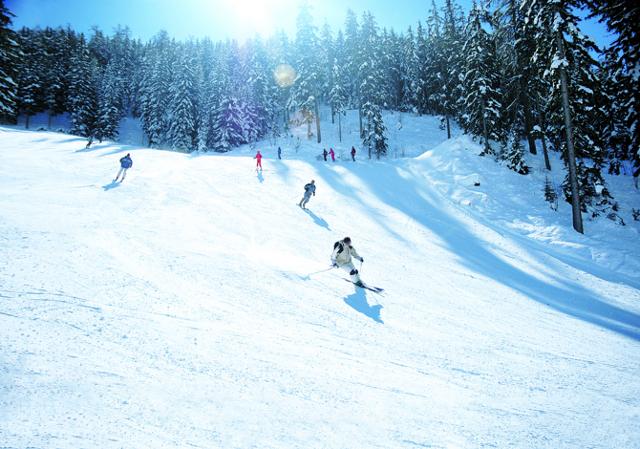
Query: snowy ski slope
191	306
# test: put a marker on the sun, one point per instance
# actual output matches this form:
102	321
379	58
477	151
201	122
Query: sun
262	17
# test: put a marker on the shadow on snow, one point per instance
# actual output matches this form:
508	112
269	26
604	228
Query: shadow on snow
317	220
358	301
111	185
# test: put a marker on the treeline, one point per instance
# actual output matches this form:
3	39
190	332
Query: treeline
513	71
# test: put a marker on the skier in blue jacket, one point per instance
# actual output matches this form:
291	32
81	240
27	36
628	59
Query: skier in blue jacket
125	164
309	189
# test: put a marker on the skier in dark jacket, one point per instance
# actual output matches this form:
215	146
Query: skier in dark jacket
125	164
325	153
636	172
309	189
279	153
353	153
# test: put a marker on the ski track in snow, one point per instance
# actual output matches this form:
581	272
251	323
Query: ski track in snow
188	307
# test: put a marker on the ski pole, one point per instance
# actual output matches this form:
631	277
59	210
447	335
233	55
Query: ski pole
321	271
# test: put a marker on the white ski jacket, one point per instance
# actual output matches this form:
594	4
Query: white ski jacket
342	253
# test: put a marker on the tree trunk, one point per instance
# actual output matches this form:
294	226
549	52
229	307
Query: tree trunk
333	115
49	118
575	195
26	123
528	119
318	120
448	127
543	138
360	120
485	131
340	126
547	163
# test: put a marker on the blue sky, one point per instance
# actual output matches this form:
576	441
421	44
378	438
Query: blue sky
218	19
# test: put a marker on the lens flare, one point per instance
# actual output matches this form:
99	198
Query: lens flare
285	75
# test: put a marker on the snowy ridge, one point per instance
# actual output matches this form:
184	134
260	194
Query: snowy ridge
191	306
503	196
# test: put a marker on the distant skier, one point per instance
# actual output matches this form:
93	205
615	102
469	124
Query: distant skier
309	189
258	158
125	164
333	154
89	142
341	257
353	153
279	153
325	153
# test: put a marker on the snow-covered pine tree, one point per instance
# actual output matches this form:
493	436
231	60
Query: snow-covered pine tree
99	48
408	71
125	57
338	95
264	95
326	56
9	54
371	89
219	91
515	47
431	65
422	74
351	63
109	115
550	194
375	139
154	89
622	18
370	72
305	92
55	73
339	60
229	125
618	136
203	97
563	56
480	106
448	64
513	153
83	98
392	70
30	74
182	116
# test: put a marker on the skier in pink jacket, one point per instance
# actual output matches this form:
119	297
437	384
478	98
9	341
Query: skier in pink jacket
258	158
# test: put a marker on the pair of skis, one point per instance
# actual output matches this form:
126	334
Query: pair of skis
365	286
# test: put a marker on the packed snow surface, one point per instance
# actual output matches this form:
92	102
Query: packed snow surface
193	304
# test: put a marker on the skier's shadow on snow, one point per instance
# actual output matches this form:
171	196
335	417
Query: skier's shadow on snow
317	220
111	185
260	177
358	301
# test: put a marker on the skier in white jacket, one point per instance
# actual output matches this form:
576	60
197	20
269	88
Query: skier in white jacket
342	256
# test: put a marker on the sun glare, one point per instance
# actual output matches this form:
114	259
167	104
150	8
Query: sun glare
263	17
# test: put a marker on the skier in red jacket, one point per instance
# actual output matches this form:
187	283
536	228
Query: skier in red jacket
333	154
258	158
